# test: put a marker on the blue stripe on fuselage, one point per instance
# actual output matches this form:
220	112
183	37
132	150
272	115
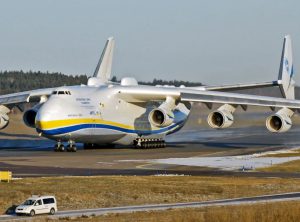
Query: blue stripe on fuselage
69	129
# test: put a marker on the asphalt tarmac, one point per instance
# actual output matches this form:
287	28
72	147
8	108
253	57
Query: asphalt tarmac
35	157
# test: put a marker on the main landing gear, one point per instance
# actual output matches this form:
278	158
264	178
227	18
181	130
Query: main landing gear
59	147
71	147
146	143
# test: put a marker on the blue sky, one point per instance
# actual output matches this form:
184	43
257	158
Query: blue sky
213	42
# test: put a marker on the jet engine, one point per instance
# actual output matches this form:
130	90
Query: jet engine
163	115
4	120
160	117
221	118
281	121
29	116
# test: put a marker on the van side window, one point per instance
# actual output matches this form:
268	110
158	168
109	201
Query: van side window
48	201
38	203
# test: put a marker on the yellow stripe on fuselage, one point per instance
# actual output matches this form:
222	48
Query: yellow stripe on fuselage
53	124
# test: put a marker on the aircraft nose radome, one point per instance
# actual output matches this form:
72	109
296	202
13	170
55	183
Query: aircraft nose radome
44	116
41	120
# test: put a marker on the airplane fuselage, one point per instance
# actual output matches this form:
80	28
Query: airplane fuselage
96	115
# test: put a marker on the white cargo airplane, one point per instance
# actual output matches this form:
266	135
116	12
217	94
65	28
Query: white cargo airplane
104	112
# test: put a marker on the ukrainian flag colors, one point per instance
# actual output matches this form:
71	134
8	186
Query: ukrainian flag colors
57	127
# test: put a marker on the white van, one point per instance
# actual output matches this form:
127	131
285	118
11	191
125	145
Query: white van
38	205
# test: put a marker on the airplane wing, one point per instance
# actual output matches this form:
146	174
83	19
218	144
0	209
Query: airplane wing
285	76
226	88
203	94
23	97
145	94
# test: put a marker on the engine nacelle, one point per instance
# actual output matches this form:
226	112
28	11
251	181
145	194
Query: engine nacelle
4	120
280	122
220	119
160	117
29	116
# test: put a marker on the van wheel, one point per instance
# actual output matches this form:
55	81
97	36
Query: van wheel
32	213
52	211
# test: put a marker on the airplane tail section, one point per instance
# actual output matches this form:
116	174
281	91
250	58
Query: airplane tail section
103	69
286	71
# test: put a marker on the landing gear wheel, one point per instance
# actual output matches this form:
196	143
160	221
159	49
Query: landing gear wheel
56	148
74	148
71	148
59	148
149	143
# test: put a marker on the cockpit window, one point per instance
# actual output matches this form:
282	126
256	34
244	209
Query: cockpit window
61	93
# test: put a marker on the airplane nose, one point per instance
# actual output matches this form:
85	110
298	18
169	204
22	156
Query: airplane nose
42	119
46	117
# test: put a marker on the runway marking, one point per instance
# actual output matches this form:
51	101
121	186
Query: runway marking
143	166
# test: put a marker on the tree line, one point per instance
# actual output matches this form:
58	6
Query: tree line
18	81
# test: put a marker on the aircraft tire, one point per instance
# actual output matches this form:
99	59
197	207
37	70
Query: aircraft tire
61	148
73	149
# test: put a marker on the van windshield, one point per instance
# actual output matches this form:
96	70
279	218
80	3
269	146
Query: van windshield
29	202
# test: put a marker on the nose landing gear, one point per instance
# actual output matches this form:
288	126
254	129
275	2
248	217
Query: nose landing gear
59	147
